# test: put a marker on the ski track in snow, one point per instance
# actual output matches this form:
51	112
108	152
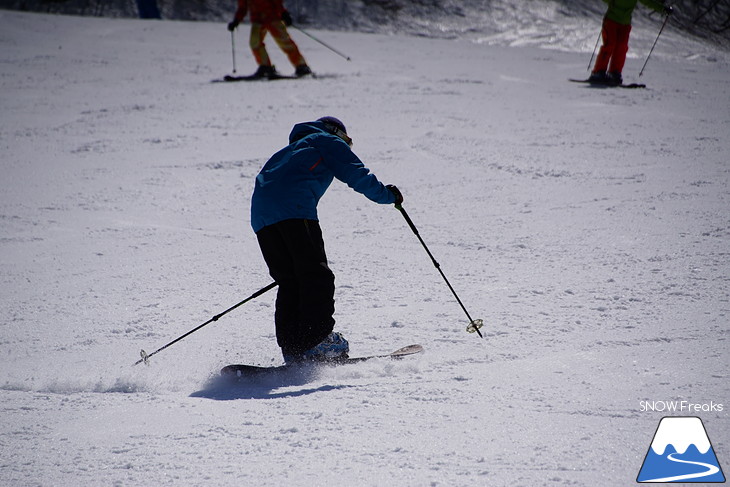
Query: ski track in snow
588	228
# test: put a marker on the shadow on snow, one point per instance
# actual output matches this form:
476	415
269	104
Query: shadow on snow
264	386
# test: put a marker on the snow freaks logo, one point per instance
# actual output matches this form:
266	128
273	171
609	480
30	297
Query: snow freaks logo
680	407
681	452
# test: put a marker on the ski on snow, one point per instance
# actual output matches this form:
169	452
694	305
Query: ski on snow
243	370
252	77
606	85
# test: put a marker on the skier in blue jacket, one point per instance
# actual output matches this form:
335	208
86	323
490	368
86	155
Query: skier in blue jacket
284	217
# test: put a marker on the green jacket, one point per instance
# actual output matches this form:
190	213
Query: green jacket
620	10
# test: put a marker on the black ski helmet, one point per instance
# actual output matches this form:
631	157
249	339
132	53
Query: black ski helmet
336	127
335	122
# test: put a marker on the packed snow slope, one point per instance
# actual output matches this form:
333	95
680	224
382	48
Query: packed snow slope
589	228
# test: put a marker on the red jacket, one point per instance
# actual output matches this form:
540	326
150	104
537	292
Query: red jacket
262	11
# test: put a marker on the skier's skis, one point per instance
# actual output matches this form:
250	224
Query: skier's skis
253	77
607	85
243	370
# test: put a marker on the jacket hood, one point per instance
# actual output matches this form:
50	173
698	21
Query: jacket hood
305	129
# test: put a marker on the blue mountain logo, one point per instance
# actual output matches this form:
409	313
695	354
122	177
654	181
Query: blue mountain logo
681	452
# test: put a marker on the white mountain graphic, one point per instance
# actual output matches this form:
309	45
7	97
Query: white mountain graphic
681	433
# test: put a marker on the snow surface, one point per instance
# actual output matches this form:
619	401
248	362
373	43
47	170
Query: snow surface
589	228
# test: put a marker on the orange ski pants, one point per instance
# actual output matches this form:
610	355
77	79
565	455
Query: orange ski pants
612	55
283	40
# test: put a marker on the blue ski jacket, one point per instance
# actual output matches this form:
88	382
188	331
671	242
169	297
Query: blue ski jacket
294	179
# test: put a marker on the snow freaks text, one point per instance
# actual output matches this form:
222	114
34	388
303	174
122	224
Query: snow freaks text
679	407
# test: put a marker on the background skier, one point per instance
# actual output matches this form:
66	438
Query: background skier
269	16
615	34
284	217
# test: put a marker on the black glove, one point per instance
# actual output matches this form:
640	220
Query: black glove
668	9
286	18
232	25
396	192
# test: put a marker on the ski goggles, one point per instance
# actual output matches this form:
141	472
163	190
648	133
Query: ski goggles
339	133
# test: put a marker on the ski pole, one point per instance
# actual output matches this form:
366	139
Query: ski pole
666	17
325	45
146	356
474	325
233	51
600	32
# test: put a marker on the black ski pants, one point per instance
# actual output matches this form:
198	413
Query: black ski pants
294	252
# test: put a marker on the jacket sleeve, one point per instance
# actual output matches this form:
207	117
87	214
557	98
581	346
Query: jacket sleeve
348	168
241	10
